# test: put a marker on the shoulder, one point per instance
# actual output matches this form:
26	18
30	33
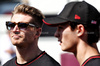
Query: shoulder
92	61
48	60
10	62
43	60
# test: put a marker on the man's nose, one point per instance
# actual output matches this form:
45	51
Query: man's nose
16	29
56	33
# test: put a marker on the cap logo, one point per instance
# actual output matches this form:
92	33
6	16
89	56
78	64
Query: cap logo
77	17
93	22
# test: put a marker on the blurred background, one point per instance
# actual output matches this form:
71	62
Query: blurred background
47	41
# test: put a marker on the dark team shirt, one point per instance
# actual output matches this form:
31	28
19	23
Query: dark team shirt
42	60
92	61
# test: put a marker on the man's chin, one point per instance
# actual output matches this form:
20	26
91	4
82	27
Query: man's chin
18	45
15	44
16	41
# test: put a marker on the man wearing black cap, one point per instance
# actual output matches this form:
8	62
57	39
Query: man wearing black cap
78	31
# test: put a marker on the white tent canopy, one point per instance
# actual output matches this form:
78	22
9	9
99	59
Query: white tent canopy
55	6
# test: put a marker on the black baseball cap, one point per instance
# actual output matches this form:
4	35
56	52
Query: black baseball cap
77	11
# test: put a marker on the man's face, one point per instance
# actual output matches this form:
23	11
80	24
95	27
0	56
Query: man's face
66	37
22	37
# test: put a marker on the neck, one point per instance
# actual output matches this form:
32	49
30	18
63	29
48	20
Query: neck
25	54
84	51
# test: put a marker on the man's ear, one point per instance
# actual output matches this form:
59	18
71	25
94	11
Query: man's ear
38	33
80	30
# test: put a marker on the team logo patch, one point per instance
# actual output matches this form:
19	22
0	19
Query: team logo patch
77	17
93	22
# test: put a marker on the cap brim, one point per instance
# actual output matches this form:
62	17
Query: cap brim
54	21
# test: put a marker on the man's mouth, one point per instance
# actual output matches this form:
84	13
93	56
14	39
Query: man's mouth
15	36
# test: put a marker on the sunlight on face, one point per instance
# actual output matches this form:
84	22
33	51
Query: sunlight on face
22	37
